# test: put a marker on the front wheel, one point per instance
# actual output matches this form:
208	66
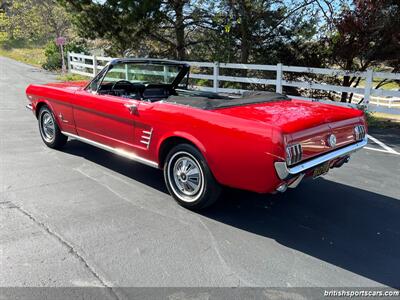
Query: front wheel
189	179
49	130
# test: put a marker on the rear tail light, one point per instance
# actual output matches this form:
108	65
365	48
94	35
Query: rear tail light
359	132
294	154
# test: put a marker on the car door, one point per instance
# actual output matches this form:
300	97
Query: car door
117	117
105	119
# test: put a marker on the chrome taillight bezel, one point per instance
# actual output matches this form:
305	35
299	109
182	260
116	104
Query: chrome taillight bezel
359	132
294	154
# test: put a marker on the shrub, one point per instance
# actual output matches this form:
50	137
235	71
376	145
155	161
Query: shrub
53	55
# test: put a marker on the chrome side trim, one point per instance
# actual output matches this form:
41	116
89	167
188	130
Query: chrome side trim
121	152
29	106
284	171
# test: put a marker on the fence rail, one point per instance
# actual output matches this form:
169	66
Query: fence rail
89	65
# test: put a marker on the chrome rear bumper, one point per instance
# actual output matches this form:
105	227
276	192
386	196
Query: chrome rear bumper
28	106
285	172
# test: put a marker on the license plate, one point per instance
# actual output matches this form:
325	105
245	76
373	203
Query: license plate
321	170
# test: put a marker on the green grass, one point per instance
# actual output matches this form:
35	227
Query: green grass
32	56
381	120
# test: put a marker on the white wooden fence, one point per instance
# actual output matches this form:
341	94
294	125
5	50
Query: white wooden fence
89	65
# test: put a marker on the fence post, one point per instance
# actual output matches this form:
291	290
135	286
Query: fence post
216	75
126	72
94	65
69	61
165	74
368	86
279	78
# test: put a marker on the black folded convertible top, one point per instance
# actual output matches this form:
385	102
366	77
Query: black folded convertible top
208	102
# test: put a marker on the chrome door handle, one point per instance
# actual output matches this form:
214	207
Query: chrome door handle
132	107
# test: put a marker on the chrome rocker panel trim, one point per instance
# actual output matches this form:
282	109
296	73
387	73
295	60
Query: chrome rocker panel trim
120	152
284	171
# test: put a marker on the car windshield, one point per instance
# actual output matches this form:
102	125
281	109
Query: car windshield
142	73
151	80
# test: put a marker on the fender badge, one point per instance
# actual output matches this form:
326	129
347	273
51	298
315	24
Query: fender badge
62	118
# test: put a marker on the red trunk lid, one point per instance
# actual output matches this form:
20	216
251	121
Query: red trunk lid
293	116
305	122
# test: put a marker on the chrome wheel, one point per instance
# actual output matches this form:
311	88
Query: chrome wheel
185	176
189	179
47	126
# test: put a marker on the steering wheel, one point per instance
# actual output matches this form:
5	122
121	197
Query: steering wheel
126	82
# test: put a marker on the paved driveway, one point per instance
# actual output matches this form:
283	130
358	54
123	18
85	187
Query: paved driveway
84	217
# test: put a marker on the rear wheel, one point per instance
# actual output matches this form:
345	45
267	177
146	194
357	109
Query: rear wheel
49	130
188	178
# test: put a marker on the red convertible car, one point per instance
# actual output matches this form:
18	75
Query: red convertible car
141	109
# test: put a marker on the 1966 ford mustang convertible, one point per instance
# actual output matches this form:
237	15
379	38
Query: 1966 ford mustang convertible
141	109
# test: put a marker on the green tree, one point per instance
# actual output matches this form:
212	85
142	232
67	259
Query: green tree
366	35
34	20
185	24
122	23
256	25
155	27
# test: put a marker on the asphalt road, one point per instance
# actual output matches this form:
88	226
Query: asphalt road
84	217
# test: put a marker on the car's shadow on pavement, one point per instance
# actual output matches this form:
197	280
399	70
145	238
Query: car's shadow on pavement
137	171
351	228
348	227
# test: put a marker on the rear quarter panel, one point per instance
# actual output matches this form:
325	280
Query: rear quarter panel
239	152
